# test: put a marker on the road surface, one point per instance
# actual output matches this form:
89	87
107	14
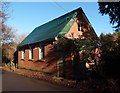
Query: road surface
15	82
0	79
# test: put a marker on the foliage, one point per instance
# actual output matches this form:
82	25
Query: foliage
8	38
7	35
8	52
70	45
79	50
63	45
113	10
110	54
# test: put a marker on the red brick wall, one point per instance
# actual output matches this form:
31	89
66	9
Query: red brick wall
73	32
26	55
36	63
36	53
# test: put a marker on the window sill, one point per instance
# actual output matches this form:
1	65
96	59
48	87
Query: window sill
40	60
23	59
31	60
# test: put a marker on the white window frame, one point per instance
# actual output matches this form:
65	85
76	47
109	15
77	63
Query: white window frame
41	53
23	54
31	53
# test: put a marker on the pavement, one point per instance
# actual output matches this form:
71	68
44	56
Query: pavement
15	82
0	79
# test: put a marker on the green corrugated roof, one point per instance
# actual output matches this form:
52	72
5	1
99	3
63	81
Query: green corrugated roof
52	29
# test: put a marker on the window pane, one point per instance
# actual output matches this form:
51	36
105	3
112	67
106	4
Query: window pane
31	53
23	54
41	52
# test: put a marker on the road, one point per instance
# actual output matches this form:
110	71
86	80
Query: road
0	79
15	82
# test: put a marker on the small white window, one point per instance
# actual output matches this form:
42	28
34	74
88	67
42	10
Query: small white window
23	54
41	53
31	53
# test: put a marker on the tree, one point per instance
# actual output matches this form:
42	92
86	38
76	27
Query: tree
72	48
3	11
20	38
113	10
7	35
8	52
110	46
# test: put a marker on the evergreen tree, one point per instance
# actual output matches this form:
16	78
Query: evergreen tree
113	10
